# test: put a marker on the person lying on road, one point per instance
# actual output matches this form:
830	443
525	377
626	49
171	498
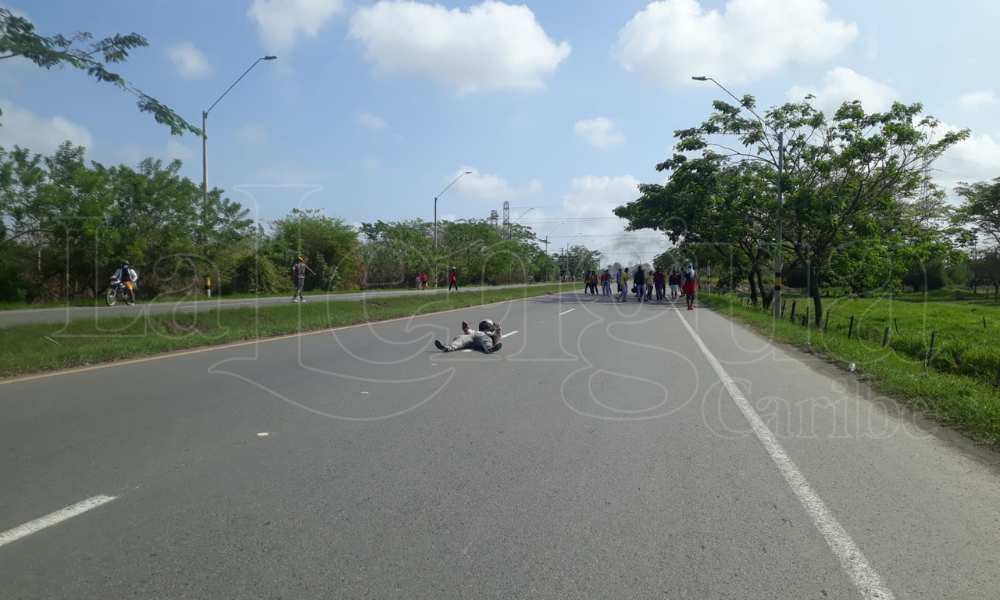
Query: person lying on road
486	338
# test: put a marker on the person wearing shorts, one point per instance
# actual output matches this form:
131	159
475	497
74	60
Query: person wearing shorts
675	280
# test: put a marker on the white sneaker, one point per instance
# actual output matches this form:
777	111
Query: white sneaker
295	299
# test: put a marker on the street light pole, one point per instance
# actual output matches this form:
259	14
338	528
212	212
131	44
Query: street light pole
204	139
776	297
436	205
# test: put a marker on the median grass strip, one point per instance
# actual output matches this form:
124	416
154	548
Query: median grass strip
955	387
41	347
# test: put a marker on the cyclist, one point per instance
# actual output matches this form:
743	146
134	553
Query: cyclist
128	277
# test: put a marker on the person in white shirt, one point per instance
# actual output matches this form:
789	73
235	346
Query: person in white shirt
128	277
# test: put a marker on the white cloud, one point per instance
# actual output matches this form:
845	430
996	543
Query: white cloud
489	46
188	61
371	122
177	150
977	99
371	163
975	159
587	205
284	22
253	135
481	186
672	40
599	132
844	85
20	126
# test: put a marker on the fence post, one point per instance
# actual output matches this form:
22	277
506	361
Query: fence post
793	311
984	322
885	336
930	352
783	303
896	323
850	328
826	321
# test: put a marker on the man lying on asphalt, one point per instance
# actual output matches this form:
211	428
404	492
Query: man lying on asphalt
486	338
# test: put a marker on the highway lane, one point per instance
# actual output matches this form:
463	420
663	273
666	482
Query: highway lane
599	454
68	313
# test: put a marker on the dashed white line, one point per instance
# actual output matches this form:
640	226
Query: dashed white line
53	519
852	560
566	311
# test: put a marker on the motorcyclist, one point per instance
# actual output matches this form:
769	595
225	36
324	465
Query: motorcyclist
486	338
128	277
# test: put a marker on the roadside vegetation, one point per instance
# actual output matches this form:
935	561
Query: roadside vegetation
42	347
955	382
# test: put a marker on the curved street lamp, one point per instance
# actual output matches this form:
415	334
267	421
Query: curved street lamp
204	138
436	205
776	299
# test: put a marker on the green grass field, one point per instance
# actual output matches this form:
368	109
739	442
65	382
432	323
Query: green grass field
48	346
954	383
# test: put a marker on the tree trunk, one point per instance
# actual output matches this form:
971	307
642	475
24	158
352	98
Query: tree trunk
817	297
753	288
766	297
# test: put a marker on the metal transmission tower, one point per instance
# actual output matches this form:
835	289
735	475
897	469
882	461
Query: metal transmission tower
506	219
494	216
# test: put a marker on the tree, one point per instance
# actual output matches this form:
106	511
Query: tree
981	207
18	38
328	244
844	176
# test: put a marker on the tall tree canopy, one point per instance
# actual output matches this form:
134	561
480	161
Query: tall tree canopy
846	180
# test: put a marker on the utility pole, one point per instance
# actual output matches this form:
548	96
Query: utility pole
776	296
506	219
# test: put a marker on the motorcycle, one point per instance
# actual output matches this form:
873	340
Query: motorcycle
117	292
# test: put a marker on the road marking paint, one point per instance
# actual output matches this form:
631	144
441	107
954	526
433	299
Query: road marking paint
53	519
466	350
509	333
852	560
239	344
567	311
263	434
364	392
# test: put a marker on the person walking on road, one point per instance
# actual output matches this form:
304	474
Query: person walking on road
640	284
486	338
606	283
690	285
623	287
593	282
452	279
675	281
619	280
299	274
423	280
660	281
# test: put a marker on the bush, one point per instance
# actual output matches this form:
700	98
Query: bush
258	275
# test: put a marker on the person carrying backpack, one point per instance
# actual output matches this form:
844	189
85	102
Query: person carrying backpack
690	285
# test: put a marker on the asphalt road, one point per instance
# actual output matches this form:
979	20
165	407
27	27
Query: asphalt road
67	313
607	451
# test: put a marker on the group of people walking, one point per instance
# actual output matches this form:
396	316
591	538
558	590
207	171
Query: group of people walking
644	285
420	280
592	279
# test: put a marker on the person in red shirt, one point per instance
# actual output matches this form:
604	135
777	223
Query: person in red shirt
690	285
423	281
606	283
660	281
452	280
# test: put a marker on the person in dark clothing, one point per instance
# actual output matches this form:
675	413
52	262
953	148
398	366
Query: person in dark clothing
660	281
640	284
486	338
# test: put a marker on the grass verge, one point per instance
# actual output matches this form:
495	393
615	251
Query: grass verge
47	346
966	402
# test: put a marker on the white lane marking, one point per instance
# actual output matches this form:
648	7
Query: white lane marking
263	434
507	334
852	560
465	350
53	519
567	311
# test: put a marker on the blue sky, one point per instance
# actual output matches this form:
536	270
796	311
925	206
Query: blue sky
373	107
